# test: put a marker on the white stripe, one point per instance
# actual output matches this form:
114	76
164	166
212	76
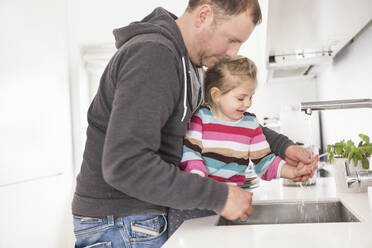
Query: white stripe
211	170
259	146
279	172
226	145
197	172
225	173
194	135
231	183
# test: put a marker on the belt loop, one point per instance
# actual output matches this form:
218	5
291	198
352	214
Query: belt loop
111	220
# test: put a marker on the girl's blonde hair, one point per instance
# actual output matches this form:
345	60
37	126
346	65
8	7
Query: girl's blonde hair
228	74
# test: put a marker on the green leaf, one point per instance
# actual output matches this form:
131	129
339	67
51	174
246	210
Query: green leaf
331	156
338	150
365	163
350	156
369	150
350	143
364	137
329	149
347	151
355	161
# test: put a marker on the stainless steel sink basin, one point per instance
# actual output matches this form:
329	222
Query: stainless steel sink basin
295	212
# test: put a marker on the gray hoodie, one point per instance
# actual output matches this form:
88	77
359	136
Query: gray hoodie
137	121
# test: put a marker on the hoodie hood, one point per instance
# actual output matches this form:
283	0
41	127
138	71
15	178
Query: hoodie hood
163	22
158	21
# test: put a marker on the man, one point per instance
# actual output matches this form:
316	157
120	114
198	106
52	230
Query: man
137	120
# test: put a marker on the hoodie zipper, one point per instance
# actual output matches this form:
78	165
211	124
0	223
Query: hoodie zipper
185	89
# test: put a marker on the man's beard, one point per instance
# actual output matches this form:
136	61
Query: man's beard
212	60
208	61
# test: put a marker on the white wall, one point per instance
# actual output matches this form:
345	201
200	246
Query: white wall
272	98
34	97
349	77
35	126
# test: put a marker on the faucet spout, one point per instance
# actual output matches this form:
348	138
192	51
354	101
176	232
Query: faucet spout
308	107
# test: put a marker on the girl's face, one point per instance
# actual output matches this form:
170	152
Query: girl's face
232	105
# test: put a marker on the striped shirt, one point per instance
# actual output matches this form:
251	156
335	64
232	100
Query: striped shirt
222	150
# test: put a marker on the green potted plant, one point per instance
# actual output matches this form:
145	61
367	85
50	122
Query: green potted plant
354	154
356	158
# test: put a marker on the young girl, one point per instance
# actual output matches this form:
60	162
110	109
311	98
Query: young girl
223	138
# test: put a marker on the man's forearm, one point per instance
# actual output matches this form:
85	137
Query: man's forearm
278	142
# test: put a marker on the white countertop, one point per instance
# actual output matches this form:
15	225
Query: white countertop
203	232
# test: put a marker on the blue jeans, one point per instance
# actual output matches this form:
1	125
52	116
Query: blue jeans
139	231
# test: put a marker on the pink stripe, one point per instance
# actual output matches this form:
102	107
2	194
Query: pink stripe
238	179
258	139
272	172
196	165
229	129
226	137
196	119
194	126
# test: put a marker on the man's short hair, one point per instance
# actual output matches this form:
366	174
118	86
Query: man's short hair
230	7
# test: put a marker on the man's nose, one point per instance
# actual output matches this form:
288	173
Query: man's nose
232	52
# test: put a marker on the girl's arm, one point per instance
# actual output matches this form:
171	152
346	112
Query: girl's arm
192	160
267	164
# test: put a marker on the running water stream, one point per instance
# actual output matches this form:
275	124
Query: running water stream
304	185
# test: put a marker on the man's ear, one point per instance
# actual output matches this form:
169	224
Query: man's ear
203	16
215	94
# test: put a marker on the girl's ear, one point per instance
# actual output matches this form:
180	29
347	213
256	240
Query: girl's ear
215	94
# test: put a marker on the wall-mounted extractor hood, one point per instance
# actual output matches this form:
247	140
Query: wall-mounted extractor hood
304	35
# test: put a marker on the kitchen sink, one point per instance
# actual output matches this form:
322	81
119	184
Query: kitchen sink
295	212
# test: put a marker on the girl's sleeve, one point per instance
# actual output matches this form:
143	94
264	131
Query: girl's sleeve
267	164
192	160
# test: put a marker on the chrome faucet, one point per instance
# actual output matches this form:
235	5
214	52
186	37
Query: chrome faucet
308	107
362	178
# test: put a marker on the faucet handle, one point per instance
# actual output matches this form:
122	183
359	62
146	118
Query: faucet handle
354	180
364	178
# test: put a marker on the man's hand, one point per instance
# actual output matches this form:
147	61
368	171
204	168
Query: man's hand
295	154
301	170
238	204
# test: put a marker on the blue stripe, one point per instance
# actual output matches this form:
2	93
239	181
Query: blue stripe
188	156
225	173
215	165
264	164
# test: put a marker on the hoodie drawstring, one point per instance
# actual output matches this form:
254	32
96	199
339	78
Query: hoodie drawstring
185	90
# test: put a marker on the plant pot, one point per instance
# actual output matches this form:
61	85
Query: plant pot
339	173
